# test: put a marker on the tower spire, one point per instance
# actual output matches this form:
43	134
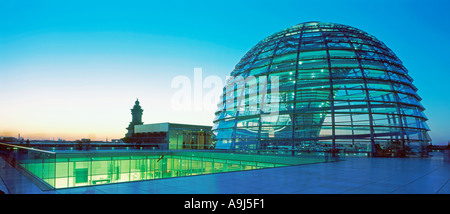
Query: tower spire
136	113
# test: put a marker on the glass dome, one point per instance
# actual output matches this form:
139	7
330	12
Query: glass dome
320	86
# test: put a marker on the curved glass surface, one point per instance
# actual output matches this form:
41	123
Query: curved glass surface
318	86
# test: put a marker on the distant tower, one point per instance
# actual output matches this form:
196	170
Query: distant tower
136	112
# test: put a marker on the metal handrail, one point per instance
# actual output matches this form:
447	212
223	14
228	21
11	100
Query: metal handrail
27	148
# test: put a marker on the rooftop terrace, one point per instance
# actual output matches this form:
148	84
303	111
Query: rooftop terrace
350	175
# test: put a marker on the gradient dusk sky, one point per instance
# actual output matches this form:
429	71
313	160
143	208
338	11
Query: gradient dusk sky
73	69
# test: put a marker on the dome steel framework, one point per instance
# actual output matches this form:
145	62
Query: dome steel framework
319	86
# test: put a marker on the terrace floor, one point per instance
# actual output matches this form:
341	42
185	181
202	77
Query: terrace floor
349	176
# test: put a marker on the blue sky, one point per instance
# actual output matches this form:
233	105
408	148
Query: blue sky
73	69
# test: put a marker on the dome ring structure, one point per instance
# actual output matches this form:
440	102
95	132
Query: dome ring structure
320	86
